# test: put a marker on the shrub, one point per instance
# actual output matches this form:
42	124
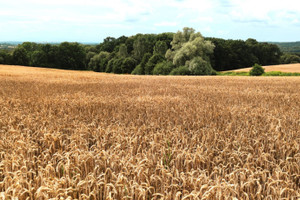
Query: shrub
138	70
199	66
117	66
257	70
163	68
182	70
109	66
128	65
156	58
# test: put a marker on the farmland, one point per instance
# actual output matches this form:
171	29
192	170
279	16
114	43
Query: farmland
282	68
85	135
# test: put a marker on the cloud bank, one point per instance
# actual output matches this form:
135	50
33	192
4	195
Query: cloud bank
93	20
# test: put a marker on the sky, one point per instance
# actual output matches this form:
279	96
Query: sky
93	20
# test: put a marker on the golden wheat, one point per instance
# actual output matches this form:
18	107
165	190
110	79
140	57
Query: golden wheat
85	135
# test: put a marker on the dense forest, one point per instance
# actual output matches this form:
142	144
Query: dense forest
183	53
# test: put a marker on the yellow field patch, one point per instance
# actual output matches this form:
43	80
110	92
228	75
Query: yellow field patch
281	68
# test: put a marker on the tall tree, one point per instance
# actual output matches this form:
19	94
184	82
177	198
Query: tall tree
160	48
123	50
20	56
71	56
191	50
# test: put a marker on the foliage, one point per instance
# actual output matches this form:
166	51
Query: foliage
123	50
199	66
5	57
182	70
20	56
257	70
231	73
117	65
98	62
191	50
180	48
235	54
71	56
128	65
142	44
288	47
138	70
88	58
160	48
163	68
289	58
155	59
278	73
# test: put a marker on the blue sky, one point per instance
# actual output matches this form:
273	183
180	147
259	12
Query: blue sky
94	20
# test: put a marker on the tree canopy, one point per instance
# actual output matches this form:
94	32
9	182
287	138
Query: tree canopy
190	49
186	52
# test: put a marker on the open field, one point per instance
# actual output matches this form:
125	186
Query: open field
282	68
85	135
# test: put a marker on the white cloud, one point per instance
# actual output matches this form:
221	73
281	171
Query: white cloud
265	11
134	16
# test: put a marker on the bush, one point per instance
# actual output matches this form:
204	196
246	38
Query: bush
289	59
117	66
257	70
199	66
138	70
278	73
109	66
231	73
128	65
163	68
99	61
156	58
180	71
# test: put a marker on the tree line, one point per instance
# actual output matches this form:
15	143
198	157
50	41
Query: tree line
186	52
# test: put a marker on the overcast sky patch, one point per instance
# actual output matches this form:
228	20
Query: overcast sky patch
94	20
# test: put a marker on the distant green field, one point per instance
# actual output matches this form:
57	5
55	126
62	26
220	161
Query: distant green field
288	47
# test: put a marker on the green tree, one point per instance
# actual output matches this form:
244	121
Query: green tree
5	57
123	50
117	65
109	66
155	59
71	56
88	57
182	70
163	68
142	44
257	70
289	58
160	48
20	56
140	69
98	62
38	59
199	66
128	65
191	50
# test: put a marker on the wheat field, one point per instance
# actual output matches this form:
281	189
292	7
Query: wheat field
85	135
294	68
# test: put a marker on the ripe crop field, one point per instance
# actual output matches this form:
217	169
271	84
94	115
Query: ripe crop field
86	135
282	68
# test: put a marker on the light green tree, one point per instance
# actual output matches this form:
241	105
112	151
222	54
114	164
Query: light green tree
189	49
123	50
160	48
